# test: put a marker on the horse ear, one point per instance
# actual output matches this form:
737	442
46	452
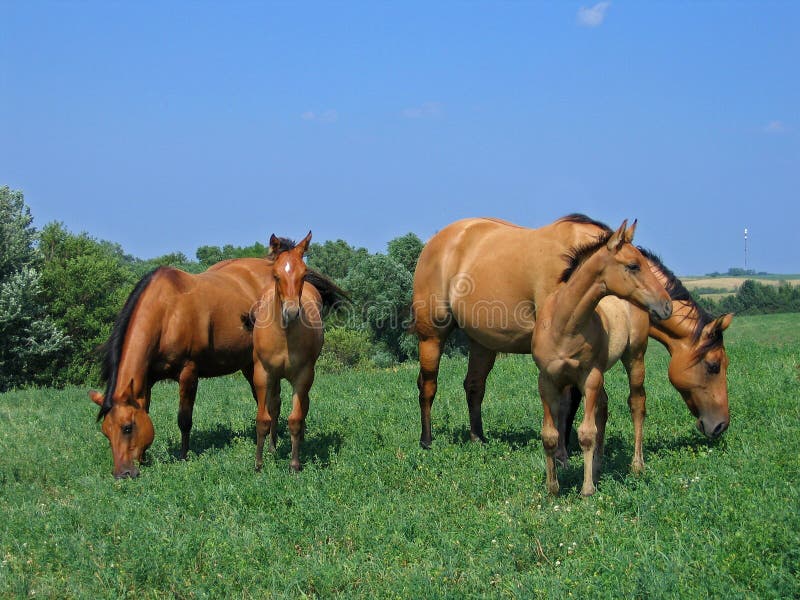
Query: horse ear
274	244
723	322
304	243
718	325
96	397
617	238
630	231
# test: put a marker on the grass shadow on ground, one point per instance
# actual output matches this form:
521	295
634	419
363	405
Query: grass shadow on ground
317	446
515	439
203	440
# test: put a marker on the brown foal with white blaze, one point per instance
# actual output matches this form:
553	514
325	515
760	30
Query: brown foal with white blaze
287	340
575	341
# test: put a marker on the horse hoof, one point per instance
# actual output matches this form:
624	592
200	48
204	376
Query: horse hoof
295	468
586	492
425	445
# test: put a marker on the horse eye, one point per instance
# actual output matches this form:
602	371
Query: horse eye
633	267
712	368
127	429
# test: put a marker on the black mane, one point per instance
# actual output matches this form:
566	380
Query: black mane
284	245
584	220
577	255
677	291
111	351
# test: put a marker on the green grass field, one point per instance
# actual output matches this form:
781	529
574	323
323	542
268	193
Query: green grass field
372	515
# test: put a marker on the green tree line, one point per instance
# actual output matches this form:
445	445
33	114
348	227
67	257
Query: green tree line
755	298
61	291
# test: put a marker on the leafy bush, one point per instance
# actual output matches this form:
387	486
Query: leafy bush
344	348
29	338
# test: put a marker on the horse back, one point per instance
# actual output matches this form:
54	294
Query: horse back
490	275
197	317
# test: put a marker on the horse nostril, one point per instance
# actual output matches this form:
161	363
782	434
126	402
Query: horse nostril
719	429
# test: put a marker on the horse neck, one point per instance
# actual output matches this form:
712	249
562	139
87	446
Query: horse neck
134	363
576	300
680	327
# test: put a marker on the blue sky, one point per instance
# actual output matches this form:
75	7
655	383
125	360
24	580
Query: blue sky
164	126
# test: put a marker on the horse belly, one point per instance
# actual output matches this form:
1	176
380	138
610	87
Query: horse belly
616	318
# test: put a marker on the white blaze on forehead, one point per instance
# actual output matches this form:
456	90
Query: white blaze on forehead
288	267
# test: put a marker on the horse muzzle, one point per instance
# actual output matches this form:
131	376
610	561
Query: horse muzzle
661	311
712	428
127	472
290	312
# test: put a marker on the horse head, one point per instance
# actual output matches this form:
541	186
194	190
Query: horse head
699	372
289	272
128	428
628	275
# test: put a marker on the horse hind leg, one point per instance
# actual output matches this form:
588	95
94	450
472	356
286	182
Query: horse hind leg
187	382
570	401
481	361
637	402
430	355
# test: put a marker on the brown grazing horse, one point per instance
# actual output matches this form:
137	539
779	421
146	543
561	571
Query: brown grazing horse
287	340
179	326
487	277
576	341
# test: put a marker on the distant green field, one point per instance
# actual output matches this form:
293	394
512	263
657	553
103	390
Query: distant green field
372	515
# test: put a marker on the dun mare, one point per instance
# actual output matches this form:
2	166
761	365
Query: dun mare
287	339
175	325
575	340
488	276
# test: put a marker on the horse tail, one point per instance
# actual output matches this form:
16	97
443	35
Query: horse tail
332	295
111	351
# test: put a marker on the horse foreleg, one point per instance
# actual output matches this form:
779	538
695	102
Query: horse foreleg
550	406
187	383
637	404
570	401
297	418
587	432
263	420
430	354
601	410
274	409
481	361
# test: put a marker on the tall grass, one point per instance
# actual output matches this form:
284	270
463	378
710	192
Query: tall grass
372	515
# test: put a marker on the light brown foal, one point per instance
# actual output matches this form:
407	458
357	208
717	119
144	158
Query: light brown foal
575	341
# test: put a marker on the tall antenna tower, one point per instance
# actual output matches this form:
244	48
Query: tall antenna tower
745	248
